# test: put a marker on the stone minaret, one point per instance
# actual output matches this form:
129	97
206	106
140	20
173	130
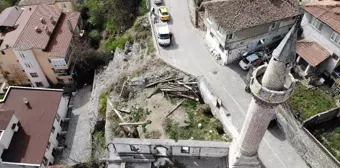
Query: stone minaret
270	85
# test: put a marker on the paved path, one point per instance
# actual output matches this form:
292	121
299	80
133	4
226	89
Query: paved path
190	54
78	137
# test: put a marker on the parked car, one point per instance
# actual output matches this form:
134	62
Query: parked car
163	34
163	13
249	60
158	2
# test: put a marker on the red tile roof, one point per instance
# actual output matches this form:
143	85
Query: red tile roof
28	145
29	37
9	16
35	2
327	11
235	15
60	41
11	37
311	52
5	118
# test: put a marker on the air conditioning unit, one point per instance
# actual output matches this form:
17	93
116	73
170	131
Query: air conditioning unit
15	127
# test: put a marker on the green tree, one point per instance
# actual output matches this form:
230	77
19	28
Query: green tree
4	4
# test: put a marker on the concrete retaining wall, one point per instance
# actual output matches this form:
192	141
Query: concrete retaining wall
195	148
217	108
305	143
322	117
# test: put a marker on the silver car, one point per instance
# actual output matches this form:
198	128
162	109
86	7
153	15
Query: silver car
158	2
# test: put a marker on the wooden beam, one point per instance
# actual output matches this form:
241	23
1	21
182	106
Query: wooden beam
174	109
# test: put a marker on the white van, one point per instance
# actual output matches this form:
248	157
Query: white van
163	34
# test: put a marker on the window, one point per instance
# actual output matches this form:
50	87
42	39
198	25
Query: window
49	61
211	34
276	38
28	65
3	53
39	84
48	145
70	80
185	149
44	162
23	70
219	30
335	37
53	129
57	117
34	75
60	80
1	64
274	25
22	55
230	36
316	23
334	56
221	47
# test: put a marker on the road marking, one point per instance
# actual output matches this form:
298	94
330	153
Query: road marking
244	114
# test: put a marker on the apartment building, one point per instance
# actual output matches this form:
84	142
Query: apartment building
30	126
35	45
236	28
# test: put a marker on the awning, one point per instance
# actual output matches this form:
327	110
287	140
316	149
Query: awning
311	52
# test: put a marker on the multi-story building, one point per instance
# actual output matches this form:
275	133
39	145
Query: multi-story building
30	126
319	51
35	45
235	28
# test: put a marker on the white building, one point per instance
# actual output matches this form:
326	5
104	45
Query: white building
30	126
319	51
234	28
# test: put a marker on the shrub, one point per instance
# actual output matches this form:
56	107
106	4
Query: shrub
309	102
142	8
120	42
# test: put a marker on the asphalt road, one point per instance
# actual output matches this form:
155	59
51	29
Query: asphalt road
189	53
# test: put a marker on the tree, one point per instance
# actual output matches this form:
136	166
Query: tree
15	76
4	4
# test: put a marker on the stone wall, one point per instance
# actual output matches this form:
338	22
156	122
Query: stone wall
309	149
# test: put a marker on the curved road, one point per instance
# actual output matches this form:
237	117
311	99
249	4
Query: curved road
190	54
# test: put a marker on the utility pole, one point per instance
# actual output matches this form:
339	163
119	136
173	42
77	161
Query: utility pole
270	86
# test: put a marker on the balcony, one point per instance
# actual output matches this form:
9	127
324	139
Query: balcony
65	72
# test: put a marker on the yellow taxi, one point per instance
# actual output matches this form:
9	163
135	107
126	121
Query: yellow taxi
163	13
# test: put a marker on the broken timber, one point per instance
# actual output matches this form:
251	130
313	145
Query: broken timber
168	79
179	104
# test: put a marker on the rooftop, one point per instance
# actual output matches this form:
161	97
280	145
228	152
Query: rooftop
53	35
236	15
59	43
9	16
327	11
35	2
28	145
45	19
11	37
5	118
311	52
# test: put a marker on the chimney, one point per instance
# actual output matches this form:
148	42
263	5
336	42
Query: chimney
26	101
37	29
52	20
42	20
69	25
48	32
